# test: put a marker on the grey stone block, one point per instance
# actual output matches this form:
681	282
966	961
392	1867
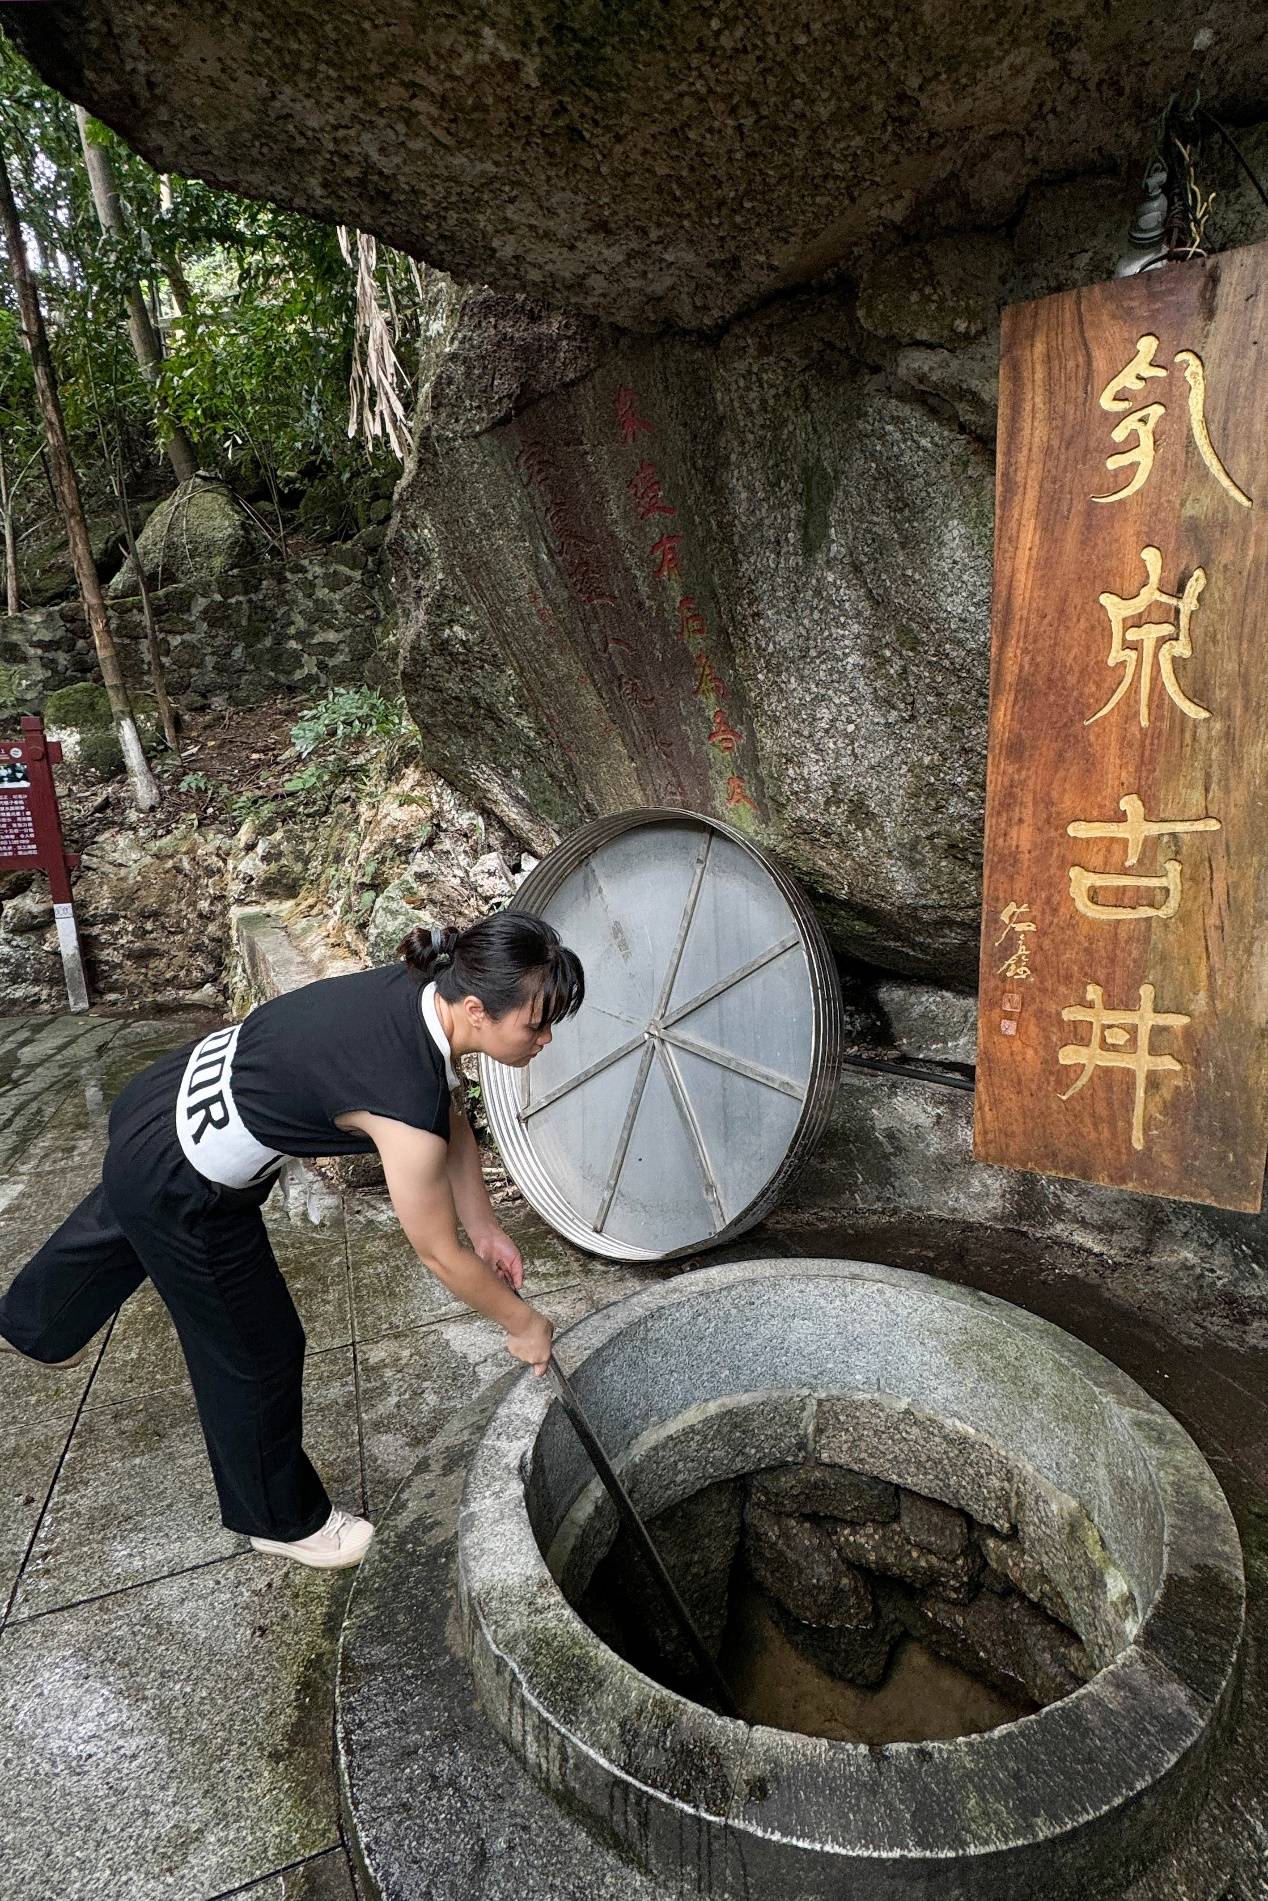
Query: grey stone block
940	1457
1058	1535
825	1491
1012	1565
696	1540
933	1526
859	1654
1007	1640
802	1563
928	1024
722	1438
888	1550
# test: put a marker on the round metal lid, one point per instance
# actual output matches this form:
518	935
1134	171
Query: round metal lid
672	1111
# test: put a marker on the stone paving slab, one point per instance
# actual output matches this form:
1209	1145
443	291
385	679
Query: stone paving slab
324	1878
135	1498
410	1383
25	1108
66	1142
27	1390
393	1293
144	1354
30	1452
172	1742
32	1206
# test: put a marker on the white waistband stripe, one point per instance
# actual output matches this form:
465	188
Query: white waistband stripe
213	1137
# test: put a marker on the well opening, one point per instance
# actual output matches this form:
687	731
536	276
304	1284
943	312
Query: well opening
844	1605
981	1598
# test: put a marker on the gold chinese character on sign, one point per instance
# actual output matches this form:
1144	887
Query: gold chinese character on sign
1017	922
1162	642
1107	1049
1141	423
1133	830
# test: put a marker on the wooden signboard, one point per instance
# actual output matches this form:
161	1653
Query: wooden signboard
31	838
1124	973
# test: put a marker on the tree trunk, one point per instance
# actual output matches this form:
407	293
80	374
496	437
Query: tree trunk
157	675
144	787
145	344
12	601
182	296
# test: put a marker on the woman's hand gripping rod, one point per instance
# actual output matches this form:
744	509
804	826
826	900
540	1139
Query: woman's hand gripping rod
639	1533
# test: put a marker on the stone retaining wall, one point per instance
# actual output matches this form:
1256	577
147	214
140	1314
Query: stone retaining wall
302	626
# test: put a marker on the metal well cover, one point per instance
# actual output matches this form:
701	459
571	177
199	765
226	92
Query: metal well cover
671	1113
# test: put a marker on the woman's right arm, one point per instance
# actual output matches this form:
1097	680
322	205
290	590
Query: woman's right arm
415	1167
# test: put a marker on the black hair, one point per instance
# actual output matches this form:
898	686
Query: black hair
504	960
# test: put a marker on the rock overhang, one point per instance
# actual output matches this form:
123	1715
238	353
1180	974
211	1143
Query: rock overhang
657	166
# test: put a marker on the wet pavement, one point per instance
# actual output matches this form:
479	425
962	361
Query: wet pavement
165	1692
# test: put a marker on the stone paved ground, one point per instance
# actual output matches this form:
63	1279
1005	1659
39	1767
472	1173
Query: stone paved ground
166	1693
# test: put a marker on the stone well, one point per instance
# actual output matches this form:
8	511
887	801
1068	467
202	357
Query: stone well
1082	1481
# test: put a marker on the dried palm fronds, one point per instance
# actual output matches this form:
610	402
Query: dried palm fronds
375	405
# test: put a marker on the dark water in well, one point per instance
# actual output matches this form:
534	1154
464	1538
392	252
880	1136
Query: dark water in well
923	1698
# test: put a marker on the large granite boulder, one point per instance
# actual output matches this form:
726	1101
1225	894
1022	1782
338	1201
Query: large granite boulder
700	508
45	571
198	533
747	575
658	165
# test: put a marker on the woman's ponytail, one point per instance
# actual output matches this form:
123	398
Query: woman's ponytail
429	952
503	960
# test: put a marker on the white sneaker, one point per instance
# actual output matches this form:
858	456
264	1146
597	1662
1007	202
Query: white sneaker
342	1540
7	1346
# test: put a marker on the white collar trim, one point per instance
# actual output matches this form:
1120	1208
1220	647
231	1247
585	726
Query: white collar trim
431	1018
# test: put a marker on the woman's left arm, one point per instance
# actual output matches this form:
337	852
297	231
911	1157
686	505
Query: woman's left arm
471	1200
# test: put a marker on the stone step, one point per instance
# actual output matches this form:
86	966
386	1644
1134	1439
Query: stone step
276	950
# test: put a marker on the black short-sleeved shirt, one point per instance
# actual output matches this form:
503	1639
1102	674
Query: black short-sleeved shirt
273	1085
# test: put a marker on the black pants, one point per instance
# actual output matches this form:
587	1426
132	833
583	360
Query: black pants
207	1251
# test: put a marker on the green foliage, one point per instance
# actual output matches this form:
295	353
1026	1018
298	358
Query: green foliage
264	373
249	805
194	782
255	305
311	778
348	713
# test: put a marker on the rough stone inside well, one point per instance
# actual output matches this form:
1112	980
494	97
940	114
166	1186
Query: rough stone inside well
843	1605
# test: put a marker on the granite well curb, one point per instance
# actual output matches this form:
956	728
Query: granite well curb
1068	1799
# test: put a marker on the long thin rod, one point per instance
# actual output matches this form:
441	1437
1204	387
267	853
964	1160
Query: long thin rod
638	1531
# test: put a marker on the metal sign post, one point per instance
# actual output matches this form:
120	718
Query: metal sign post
31	837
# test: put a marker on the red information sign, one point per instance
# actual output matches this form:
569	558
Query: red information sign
31	837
